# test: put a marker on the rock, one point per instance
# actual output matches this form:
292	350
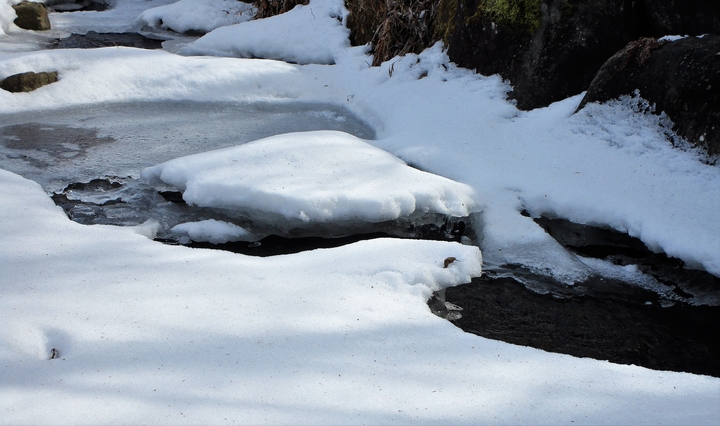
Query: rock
682	79
32	16
28	81
551	49
547	53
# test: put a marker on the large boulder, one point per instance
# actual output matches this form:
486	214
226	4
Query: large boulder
32	16
547	49
682	79
28	81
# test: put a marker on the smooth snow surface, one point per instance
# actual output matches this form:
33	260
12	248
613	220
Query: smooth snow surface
149	333
198	15
312	177
312	34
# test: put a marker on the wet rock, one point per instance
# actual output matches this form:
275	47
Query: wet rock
681	78
548	53
93	40
32	16
551	49
28	81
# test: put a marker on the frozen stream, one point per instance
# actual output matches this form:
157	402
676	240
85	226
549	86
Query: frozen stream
59	147
94	154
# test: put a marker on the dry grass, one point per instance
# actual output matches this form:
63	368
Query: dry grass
267	8
392	27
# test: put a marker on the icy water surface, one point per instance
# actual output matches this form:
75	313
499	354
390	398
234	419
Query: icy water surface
58	147
91	157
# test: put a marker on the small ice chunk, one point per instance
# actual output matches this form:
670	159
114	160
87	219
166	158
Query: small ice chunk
212	231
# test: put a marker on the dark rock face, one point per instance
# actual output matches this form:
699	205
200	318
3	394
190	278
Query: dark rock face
682	78
32	16
558	55
28	81
557	60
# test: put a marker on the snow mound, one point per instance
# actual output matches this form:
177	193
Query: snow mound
7	16
198	15
312	34
312	177
212	231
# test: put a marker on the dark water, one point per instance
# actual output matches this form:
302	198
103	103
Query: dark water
600	318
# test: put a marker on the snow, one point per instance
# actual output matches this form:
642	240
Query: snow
672	38
312	34
198	15
164	334
312	177
212	231
7	16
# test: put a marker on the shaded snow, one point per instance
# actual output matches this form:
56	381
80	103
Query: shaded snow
155	334
158	334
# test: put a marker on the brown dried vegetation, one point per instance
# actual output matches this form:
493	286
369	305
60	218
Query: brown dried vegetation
392	27
268	8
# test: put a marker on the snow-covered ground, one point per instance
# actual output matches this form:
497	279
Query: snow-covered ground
159	334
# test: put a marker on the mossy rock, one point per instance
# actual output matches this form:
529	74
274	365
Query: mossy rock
32	16
28	81
520	15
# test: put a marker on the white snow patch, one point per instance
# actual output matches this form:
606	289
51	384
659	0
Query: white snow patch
312	34
312	177
212	231
198	15
7	16
672	38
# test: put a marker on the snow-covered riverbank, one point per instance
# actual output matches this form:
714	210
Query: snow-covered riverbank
157	334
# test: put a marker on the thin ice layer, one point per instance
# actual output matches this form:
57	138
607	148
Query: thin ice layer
312	177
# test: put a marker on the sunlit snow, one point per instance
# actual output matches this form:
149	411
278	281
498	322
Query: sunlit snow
313	177
150	333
